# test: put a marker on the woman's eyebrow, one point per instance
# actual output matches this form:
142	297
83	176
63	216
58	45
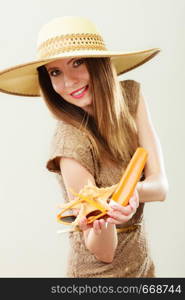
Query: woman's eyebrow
70	61
52	68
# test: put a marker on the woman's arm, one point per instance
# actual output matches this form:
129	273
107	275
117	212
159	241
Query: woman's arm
153	188
155	185
101	239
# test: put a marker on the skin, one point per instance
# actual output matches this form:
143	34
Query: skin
68	75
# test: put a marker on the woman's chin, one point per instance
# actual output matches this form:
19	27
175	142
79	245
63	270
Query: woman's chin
88	109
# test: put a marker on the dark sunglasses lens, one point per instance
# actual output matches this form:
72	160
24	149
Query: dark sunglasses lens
68	219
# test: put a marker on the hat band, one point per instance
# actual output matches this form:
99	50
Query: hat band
70	42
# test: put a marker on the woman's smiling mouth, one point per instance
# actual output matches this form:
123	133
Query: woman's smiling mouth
80	92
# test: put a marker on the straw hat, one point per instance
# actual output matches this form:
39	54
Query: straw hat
63	38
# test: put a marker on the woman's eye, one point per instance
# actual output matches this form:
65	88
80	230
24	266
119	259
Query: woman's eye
78	62
57	72
54	73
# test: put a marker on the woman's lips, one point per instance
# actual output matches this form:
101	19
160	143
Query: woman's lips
80	93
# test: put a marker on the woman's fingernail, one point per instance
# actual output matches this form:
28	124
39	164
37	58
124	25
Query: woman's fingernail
133	204
113	204
132	201
133	207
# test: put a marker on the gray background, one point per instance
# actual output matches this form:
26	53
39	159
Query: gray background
29	194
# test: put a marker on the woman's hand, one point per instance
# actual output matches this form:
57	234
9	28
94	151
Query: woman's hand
100	238
117	215
120	214
97	225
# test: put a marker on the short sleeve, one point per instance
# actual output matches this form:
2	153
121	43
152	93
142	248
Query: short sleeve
69	141
132	90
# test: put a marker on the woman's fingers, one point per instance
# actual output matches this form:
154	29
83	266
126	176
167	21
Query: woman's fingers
118	217
99	225
133	203
83	224
125	210
116	221
96	227
102	223
119	214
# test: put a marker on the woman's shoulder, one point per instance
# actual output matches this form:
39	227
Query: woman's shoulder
64	129
69	141
69	135
131	93
130	85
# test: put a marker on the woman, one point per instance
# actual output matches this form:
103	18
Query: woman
101	122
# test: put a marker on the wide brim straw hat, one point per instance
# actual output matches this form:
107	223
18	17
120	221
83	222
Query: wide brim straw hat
67	37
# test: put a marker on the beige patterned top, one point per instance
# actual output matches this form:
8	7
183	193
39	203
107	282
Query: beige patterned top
132	257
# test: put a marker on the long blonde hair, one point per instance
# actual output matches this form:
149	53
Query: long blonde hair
112	129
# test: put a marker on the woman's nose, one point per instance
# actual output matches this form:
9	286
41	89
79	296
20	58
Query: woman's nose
69	80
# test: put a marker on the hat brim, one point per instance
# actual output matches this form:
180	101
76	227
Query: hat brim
22	79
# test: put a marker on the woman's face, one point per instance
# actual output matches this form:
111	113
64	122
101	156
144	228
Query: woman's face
70	79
